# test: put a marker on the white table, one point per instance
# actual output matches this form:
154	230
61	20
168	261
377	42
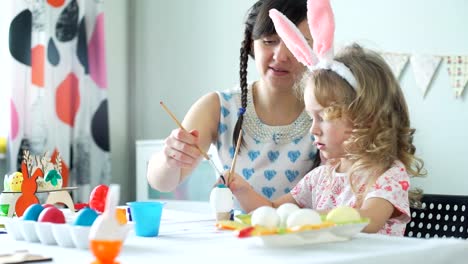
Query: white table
188	235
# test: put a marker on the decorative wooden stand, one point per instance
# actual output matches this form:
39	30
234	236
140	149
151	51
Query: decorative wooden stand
55	196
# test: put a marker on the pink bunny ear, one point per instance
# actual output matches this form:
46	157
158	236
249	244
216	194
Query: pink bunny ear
322	26
293	38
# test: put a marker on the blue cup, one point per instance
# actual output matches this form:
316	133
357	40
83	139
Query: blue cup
147	217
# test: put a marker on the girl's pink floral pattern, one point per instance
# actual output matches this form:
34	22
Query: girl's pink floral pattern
325	189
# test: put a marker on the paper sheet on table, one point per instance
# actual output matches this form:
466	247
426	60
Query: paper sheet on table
22	256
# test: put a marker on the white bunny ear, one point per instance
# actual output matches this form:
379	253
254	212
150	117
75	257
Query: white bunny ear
293	38
112	199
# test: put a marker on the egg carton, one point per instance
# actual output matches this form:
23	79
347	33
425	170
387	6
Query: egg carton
64	235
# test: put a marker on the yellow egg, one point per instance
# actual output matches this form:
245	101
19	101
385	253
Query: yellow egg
16	181
343	214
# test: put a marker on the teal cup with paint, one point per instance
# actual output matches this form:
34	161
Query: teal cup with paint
146	217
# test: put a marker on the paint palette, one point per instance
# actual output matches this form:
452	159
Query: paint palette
282	237
322	235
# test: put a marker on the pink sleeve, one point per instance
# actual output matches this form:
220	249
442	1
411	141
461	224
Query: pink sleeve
303	191
393	186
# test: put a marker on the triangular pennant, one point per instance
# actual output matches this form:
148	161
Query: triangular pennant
424	68
396	61
457	67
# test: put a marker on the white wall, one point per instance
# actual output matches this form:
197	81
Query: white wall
116	24
181	49
434	27
3	169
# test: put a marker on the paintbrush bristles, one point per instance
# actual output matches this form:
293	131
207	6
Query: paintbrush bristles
181	127
234	159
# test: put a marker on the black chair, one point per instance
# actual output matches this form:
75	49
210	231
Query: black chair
439	216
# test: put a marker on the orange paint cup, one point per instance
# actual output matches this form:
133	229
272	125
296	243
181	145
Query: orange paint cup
121	215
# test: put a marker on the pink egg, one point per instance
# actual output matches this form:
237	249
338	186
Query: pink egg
52	215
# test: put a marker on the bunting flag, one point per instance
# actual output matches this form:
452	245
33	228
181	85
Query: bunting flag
457	67
424	67
396	61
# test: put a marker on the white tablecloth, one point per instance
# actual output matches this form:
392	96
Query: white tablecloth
188	235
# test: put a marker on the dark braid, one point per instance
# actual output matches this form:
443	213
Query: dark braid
244	59
245	51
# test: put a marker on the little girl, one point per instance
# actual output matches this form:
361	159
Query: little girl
361	126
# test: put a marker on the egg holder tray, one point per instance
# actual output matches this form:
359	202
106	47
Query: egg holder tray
313	234
64	235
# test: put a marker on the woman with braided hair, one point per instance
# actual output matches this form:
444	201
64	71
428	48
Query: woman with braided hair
277	149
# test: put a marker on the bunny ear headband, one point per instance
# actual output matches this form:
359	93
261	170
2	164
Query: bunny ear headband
322	28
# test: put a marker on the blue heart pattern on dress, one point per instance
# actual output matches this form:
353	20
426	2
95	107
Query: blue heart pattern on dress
253	155
296	141
312	155
224	111
268	191
248	173
222	128
226	96
294	155
269	174
291	175
231	152
287	190
226	167
218	144
273	155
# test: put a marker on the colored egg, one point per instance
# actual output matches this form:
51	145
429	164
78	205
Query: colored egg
52	215
85	217
343	214
16	180
32	212
97	198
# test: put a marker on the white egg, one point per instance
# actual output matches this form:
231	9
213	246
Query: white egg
284	211
303	217
265	216
221	199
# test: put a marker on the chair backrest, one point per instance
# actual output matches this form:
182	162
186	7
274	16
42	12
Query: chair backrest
439	216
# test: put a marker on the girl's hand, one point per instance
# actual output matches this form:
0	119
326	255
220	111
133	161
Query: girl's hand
180	149
237	183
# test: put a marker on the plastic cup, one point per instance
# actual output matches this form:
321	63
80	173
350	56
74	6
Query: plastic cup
147	217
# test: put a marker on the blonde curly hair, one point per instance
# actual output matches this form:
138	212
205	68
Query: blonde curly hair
378	111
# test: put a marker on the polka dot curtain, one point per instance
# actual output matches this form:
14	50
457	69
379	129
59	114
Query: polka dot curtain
59	91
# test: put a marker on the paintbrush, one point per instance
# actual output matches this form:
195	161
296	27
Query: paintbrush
234	159
203	153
